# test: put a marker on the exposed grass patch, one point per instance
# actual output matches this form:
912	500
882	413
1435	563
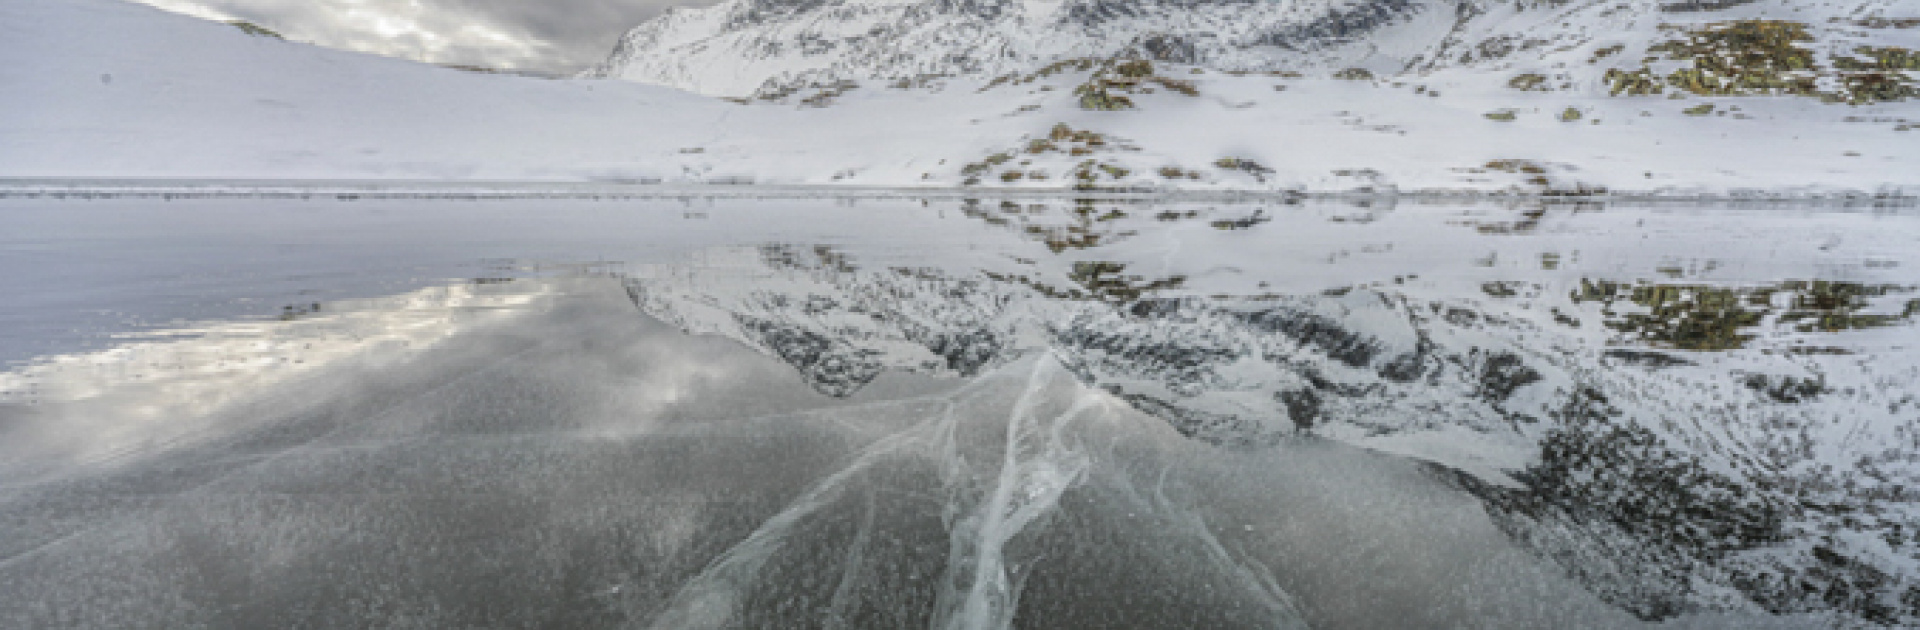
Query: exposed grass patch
1537	177
1874	87
827	93
1185	88
1642	82
822	96
1700	317
1060	139
1257	170
1884	23
1825	306
918	81
1087	174
1109	282
1078	64
1529	167
1684	317
1744	57
1877	74
1112	85
1769	58
1241	223
1175	172
1889	58
1529	82
1085	225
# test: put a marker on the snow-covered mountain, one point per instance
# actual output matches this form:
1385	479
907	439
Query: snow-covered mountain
738	47
734	47
1773	97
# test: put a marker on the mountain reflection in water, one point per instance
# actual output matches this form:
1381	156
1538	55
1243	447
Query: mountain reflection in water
973	414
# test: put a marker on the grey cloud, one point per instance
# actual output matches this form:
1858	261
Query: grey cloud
555	36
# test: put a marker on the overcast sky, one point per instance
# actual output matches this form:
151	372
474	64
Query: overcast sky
555	36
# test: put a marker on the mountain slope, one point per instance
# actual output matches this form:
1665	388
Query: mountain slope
735	47
106	88
1574	99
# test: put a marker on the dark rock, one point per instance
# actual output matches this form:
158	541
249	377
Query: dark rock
1303	407
1179	366
1154	308
1692	6
1831	581
831	367
1338	25
967	352
1318	332
1631	517
1213	428
1502	373
1409	367
1168	48
1785	389
1642	358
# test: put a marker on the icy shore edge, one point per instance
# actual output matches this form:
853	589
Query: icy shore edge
348	190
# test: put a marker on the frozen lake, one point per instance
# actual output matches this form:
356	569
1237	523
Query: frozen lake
957	413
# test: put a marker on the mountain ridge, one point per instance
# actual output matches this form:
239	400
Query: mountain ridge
738	47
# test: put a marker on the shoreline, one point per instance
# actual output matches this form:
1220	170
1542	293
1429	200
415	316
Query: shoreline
480	190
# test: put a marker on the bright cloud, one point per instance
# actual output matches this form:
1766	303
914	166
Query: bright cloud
558	36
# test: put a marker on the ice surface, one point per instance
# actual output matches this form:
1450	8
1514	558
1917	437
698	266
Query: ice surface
582	465
949	413
300	338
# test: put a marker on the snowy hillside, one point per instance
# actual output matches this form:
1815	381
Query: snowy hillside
1560	99
734	47
740	47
